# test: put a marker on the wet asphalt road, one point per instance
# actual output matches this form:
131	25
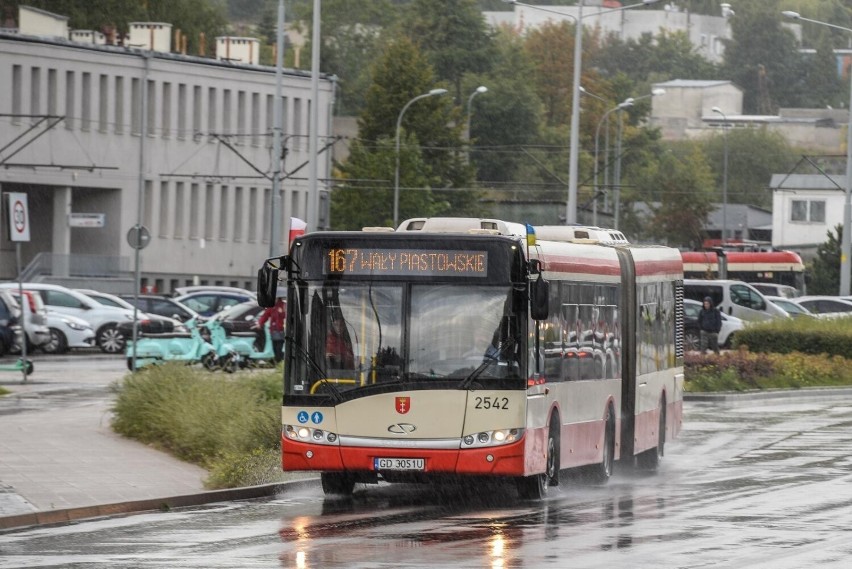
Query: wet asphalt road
748	485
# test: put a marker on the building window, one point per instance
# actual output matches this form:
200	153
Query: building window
208	211
226	111
167	110
297	123
103	104
180	210
52	91
86	102
148	204
119	105
196	110
211	109
69	99
17	93
181	111
238	214
224	212
270	118
255	119
267	215
135	106
35	92
152	108
808	211
194	201
164	209
252	211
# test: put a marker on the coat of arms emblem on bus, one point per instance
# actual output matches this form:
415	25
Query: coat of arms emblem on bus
403	404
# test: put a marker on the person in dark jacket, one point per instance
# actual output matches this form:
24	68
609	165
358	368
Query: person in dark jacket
709	322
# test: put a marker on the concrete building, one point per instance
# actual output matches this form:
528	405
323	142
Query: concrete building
73	129
706	33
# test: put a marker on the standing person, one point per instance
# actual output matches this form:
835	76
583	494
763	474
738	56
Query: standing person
710	322
277	317
338	345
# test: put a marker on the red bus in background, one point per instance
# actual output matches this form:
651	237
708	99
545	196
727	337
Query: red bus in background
779	267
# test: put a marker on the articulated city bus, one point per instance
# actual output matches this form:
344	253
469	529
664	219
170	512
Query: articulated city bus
778	267
458	347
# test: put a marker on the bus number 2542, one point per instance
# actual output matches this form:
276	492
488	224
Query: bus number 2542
492	402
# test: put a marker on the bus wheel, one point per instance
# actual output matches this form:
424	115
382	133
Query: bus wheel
535	487
650	459
600	473
337	484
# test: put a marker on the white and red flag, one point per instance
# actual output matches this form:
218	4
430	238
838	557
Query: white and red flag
297	227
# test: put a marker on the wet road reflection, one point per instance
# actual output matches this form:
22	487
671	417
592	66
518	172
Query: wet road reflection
755	485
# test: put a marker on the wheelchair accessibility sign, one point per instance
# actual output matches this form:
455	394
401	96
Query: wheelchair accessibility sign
303	417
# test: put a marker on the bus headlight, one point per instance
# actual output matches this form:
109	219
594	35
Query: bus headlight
307	434
492	438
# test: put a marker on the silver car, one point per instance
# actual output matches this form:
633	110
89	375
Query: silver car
34	318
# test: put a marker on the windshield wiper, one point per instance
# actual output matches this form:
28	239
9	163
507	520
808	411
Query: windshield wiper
488	361
322	377
423	375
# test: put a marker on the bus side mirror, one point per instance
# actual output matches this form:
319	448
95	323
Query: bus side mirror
539	298
267	285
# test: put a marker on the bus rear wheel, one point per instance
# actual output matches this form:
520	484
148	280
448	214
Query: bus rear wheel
650	459
535	487
337	483
600	473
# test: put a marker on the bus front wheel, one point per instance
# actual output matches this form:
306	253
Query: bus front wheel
337	484
602	472
535	487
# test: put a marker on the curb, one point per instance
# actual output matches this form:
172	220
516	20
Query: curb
808	393
51	517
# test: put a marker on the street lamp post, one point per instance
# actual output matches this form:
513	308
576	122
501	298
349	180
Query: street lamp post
574	150
717	110
479	90
846	243
626	103
396	172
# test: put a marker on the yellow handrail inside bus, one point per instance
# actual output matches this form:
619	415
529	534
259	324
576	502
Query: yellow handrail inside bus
317	384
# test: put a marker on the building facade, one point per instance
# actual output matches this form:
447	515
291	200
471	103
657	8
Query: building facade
193	164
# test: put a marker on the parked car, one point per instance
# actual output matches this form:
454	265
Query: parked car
791	307
734	298
34	320
103	319
826	306
147	323
773	289
207	303
692	333
11	334
161	305
240	317
184	290
67	332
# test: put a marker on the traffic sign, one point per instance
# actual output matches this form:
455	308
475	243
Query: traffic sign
138	237
19	217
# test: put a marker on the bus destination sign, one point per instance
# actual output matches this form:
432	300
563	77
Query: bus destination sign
406	262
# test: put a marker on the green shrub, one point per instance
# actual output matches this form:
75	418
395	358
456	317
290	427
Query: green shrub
201	417
806	335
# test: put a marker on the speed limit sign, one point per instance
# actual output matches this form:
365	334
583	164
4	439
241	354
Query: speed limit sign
19	217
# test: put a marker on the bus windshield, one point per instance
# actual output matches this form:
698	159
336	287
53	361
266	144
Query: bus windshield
350	335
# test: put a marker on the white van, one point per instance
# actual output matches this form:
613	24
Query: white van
733	297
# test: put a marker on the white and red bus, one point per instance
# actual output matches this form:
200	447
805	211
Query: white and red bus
453	347
777	267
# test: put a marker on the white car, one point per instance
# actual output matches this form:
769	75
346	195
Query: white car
791	306
826	306
103	319
67	332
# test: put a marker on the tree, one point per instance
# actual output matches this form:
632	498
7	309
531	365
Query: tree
453	36
550	48
825	268
762	58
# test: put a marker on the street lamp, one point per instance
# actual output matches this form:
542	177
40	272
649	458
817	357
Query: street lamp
626	103
396	173
846	243
574	150
479	90
725	125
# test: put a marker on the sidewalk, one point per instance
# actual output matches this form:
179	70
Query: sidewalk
57	450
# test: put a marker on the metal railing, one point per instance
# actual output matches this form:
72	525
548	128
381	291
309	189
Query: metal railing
74	265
